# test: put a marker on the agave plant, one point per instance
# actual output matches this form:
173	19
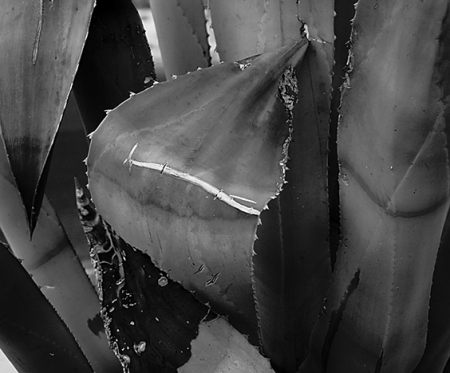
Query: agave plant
274	212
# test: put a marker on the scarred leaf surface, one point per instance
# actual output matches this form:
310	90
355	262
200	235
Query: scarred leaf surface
183	170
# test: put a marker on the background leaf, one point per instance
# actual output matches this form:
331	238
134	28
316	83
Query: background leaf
246	28
225	127
116	61
182	21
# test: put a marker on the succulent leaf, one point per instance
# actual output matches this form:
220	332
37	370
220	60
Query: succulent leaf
32	335
291	268
153	323
189	164
182	21
40	47
50	259
247	28
394	194
116	61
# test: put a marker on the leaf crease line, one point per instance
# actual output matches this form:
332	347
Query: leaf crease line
382	203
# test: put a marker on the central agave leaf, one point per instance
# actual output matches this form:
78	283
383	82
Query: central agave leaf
183	170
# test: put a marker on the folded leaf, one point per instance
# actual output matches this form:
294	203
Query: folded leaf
184	169
116	60
32	335
40	47
393	151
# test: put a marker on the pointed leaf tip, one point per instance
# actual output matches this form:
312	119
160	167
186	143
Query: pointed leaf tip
208	161
40	52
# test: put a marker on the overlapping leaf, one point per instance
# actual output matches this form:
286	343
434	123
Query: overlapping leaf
40	48
246	28
291	266
183	170
153	323
182	35
50	258
32	335
116	60
394	189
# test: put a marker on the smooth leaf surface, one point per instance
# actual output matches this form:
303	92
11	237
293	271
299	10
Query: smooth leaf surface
246	28
182	35
40	48
394	193
32	335
116	61
437	350
183	170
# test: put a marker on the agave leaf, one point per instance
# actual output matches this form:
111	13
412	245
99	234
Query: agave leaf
183	169
182	21
32	335
246	28
50	258
116	60
292	266
40	47
437	351
153	323
394	189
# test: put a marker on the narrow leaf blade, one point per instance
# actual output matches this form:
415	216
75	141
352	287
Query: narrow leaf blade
32	335
51	260
41	45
